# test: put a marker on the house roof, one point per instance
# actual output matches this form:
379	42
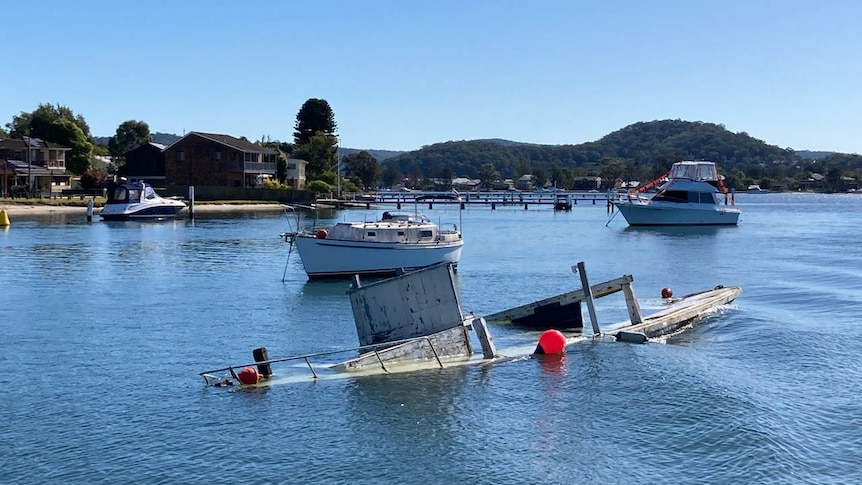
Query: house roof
22	143
19	168
227	140
157	146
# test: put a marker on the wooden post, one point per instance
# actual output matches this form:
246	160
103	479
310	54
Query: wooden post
588	296
191	201
489	351
90	210
632	304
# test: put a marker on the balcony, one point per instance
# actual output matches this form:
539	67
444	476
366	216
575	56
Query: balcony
254	167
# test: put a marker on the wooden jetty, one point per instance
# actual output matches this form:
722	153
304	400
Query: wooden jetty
414	321
564	311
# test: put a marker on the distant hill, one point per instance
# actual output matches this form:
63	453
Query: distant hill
163	138
380	155
646	143
812	155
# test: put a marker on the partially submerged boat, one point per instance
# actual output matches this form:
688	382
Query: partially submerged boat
398	242
692	193
414	321
138	200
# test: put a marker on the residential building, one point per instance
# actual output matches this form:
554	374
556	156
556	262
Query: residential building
295	175
34	162
217	160
525	183
589	183
463	184
146	162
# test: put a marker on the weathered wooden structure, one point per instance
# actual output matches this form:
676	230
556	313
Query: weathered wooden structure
415	321
418	314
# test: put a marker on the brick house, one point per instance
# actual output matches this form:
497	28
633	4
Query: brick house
146	162
217	160
32	158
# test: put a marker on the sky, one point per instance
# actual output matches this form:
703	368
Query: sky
402	74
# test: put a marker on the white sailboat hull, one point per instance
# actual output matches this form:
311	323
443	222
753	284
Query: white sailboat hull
333	258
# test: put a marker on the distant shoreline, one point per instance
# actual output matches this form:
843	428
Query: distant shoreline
17	210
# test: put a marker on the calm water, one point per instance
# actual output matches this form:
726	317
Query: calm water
105	327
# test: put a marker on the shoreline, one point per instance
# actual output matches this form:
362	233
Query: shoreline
14	210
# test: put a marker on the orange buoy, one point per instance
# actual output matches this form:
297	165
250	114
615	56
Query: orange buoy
321	234
248	376
666	293
551	342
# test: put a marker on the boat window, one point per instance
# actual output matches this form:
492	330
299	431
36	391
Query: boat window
707	198
134	195
149	193
372	233
672	196
425	233
400	233
121	194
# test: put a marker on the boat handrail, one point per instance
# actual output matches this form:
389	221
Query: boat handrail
364	348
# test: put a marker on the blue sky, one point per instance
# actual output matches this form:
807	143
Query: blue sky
403	74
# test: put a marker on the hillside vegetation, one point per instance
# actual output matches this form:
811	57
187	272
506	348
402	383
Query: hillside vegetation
640	151
644	143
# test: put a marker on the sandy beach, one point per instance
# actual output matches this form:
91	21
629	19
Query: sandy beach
24	210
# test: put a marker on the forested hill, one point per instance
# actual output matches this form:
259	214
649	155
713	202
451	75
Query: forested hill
162	138
644	143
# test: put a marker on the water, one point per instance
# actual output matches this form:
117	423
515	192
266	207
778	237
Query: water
106	326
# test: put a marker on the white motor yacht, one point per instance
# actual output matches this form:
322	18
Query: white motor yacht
692	195
138	200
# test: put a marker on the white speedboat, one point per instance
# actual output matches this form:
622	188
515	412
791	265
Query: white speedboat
397	243
692	195
755	189
138	200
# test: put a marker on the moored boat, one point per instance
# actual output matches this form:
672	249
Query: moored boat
396	243
138	200
693	194
755	189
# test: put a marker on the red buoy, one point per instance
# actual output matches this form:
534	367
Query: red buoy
248	376
666	293
551	342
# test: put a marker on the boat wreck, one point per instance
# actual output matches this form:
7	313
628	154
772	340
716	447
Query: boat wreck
415	321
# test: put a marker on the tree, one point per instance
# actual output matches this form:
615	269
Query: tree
320	152
314	137
488	174
540	177
318	186
130	134
37	124
68	133
391	175
60	125
315	116
3	134
560	177
522	168
833	177
364	166
93	177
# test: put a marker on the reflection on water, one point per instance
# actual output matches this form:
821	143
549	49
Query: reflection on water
113	321
680	230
